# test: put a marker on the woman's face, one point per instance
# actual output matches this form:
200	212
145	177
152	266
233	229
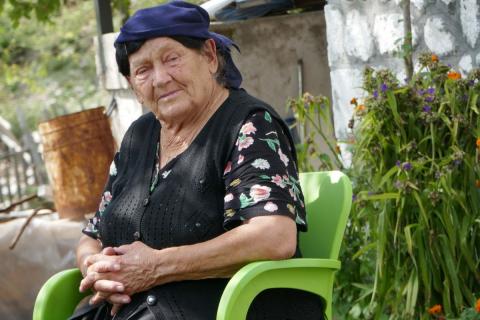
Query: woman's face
173	80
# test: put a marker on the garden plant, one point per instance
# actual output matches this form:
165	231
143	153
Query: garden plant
412	246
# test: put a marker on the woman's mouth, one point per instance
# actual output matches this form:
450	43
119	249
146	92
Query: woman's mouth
169	95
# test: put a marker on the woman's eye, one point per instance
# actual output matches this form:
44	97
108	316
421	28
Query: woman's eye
141	72
172	58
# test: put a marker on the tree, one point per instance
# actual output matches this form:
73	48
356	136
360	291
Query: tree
44	10
48	69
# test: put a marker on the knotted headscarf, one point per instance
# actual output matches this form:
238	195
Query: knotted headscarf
179	18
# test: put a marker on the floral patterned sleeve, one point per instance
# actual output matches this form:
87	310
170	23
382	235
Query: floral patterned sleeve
92	227
261	177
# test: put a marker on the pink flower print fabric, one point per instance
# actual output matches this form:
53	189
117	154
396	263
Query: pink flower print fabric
260	176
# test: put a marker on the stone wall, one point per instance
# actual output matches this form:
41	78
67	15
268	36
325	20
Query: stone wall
367	32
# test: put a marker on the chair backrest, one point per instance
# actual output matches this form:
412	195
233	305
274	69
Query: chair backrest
328	198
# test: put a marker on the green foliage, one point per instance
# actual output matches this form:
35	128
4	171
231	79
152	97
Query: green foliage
46	10
416	173
313	123
413	237
48	69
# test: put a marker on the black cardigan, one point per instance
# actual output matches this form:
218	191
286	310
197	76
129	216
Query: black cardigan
185	208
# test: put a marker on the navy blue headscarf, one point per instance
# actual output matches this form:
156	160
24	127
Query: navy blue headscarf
179	18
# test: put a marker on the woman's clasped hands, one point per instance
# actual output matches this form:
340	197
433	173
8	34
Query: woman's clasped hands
115	274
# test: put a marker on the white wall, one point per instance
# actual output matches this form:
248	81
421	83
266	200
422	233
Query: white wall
364	33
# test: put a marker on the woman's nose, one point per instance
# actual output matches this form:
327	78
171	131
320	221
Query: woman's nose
161	77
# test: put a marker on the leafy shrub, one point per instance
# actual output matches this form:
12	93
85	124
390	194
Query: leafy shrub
413	240
416	164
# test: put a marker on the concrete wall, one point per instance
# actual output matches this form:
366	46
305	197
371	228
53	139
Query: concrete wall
365	32
127	107
271	48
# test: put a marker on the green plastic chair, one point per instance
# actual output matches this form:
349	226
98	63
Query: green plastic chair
328	198
59	296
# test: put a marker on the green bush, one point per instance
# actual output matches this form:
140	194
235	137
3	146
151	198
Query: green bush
413	239
415	165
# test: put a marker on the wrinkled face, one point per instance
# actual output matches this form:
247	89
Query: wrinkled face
171	79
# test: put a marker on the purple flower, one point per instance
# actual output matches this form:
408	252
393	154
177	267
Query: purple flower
354	197
384	87
431	90
429	98
427	108
375	94
398	163
406	166
421	92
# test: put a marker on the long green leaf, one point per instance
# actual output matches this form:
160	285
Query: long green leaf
451	270
392	102
421	208
412	293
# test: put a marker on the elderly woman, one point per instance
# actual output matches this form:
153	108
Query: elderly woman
202	185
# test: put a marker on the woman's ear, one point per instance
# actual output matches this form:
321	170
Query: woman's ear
210	53
132	87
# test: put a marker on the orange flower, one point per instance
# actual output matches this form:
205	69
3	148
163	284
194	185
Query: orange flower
477	183
478	143
361	108
454	75
353	101
477	306
434	58
436	309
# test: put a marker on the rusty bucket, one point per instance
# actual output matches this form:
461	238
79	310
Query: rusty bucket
77	149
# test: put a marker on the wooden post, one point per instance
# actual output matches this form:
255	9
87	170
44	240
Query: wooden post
103	12
407	39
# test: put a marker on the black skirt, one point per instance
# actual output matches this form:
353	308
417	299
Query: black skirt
271	304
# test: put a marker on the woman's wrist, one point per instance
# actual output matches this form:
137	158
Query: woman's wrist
167	268
81	263
86	247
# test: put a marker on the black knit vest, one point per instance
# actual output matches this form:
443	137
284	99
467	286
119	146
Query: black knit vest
186	207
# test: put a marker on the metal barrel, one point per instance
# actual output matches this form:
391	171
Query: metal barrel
77	149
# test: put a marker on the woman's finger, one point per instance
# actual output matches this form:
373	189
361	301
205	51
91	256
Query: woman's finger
108	251
91	259
87	282
108	286
119	298
104	266
99	297
115	309
122	249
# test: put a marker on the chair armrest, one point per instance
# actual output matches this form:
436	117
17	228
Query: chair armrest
313	275
59	296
